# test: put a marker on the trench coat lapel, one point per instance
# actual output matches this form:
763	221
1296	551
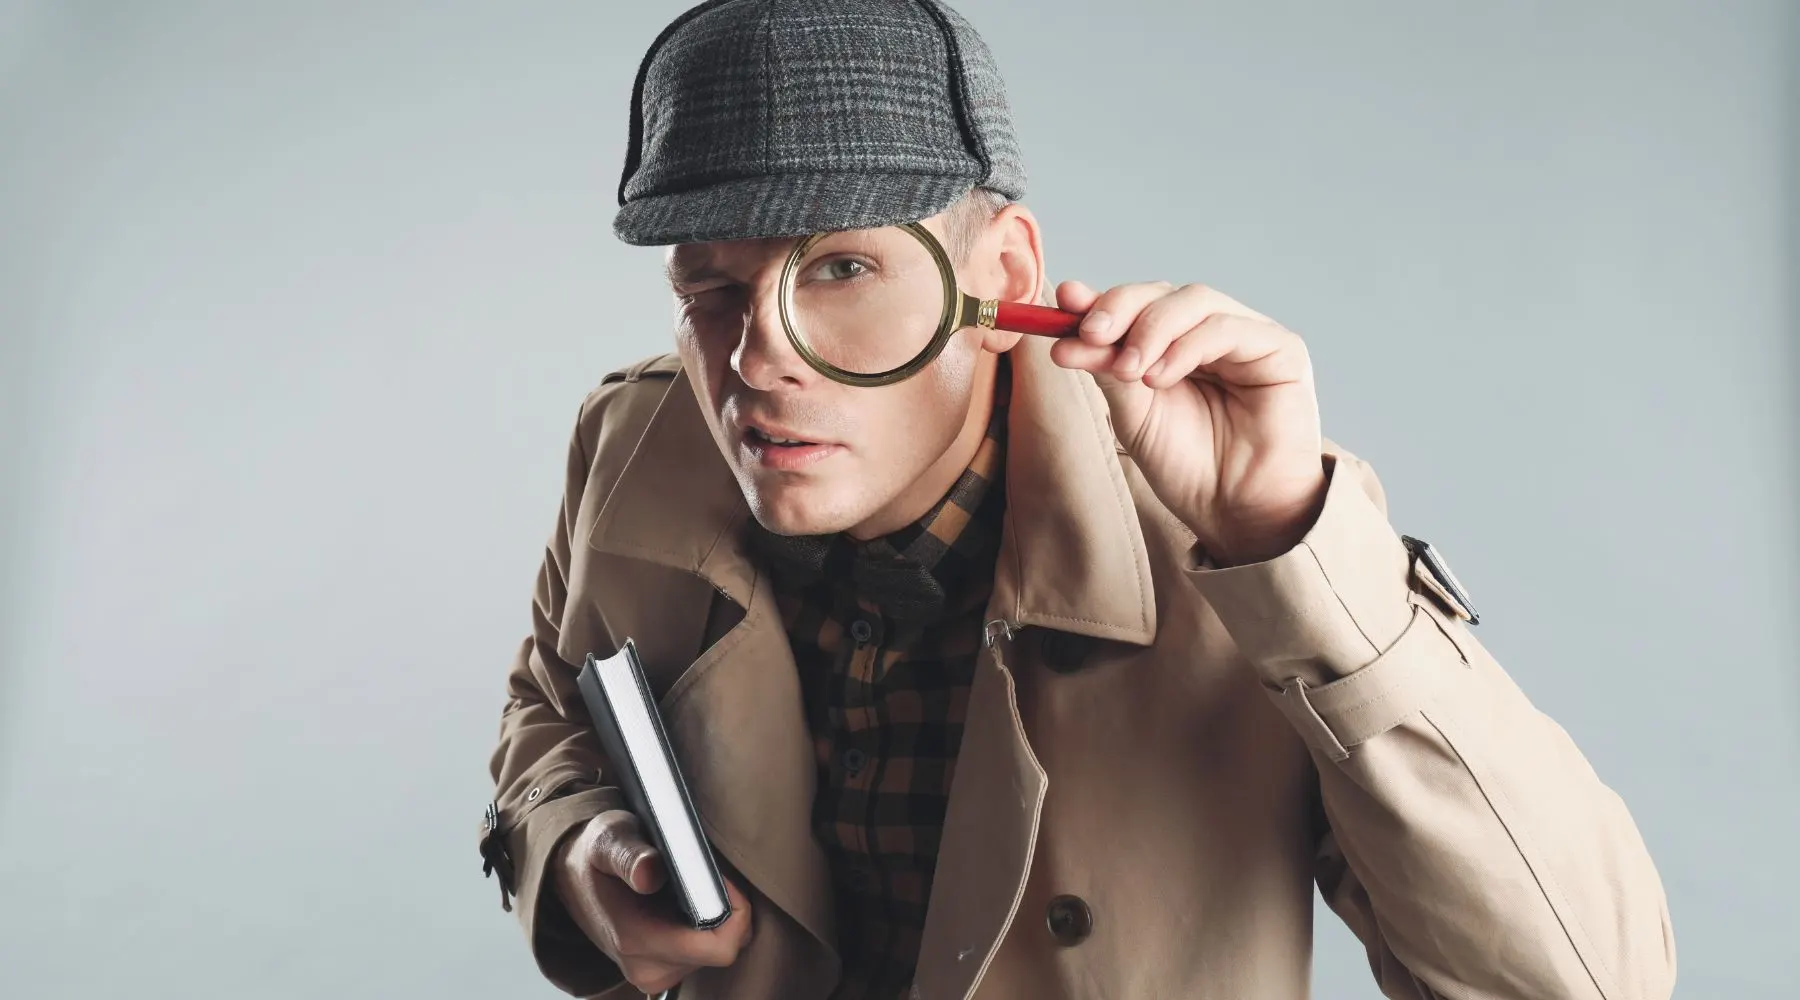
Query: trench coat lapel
1072	558
734	717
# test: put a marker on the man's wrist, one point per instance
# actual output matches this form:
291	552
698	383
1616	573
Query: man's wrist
1265	536
1330	603
558	859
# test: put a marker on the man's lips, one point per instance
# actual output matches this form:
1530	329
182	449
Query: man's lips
784	450
779	438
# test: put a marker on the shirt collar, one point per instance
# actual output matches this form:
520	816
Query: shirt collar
922	565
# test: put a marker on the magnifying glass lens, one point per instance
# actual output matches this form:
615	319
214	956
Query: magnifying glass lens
867	302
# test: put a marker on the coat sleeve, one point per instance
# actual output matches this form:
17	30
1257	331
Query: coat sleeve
1469	844
548	769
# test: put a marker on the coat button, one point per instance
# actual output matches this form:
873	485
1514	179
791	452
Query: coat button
861	631
1069	919
1064	652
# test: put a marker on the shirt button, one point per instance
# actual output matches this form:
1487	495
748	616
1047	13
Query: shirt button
854	760
861	630
1069	919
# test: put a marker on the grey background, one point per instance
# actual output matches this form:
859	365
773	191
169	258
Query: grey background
299	300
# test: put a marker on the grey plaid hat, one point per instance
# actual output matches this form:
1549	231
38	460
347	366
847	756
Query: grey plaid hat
766	118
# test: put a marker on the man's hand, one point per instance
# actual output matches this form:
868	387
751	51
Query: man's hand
1215	402
605	874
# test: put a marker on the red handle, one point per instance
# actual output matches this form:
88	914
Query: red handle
1041	321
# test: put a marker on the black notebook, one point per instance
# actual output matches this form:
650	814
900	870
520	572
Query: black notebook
644	767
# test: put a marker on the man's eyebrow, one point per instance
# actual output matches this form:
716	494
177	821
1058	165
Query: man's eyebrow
680	273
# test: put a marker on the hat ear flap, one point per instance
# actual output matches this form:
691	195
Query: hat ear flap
634	143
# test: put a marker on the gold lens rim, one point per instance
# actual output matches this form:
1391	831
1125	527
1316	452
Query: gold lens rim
958	311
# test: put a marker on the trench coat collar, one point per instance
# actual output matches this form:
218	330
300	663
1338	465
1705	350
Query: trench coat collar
1072	558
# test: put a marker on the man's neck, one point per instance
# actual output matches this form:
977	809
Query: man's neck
936	480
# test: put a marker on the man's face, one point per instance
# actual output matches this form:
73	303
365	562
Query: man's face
863	460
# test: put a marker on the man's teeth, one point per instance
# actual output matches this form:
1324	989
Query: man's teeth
772	439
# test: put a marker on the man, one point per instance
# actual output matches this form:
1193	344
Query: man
1065	669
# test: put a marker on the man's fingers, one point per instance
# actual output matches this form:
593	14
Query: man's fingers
720	946
741	925
1111	313
1138	323
1162	322
1071	352
1236	349
1075	296
607	882
647	874
657	938
620	850
651	977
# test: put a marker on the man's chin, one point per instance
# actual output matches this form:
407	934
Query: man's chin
802	524
800	511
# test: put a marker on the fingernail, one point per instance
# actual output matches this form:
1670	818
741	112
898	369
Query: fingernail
1097	323
1129	359
1155	370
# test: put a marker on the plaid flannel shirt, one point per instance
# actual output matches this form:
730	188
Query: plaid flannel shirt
885	700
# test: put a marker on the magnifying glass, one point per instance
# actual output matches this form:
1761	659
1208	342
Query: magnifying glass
872	307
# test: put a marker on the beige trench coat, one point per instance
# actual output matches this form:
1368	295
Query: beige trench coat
1166	756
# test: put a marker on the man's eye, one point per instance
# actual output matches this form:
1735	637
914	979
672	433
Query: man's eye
840	269
704	295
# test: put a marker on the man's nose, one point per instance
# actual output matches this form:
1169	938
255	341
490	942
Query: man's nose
764	359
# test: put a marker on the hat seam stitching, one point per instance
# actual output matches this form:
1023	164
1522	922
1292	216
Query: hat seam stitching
959	90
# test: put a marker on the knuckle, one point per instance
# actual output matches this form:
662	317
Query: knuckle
599	834
1161	318
618	856
1150	293
617	842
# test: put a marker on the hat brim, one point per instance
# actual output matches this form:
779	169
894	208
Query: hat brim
786	205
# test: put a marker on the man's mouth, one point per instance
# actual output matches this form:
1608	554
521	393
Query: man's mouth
784	452
760	436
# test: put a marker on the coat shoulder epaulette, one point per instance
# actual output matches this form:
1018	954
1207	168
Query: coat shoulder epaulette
660	366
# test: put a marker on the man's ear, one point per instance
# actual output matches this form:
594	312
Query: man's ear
1018	258
999	341
1020	254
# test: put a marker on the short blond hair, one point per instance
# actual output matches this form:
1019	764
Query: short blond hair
964	221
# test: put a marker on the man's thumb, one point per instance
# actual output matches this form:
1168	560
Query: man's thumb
622	851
